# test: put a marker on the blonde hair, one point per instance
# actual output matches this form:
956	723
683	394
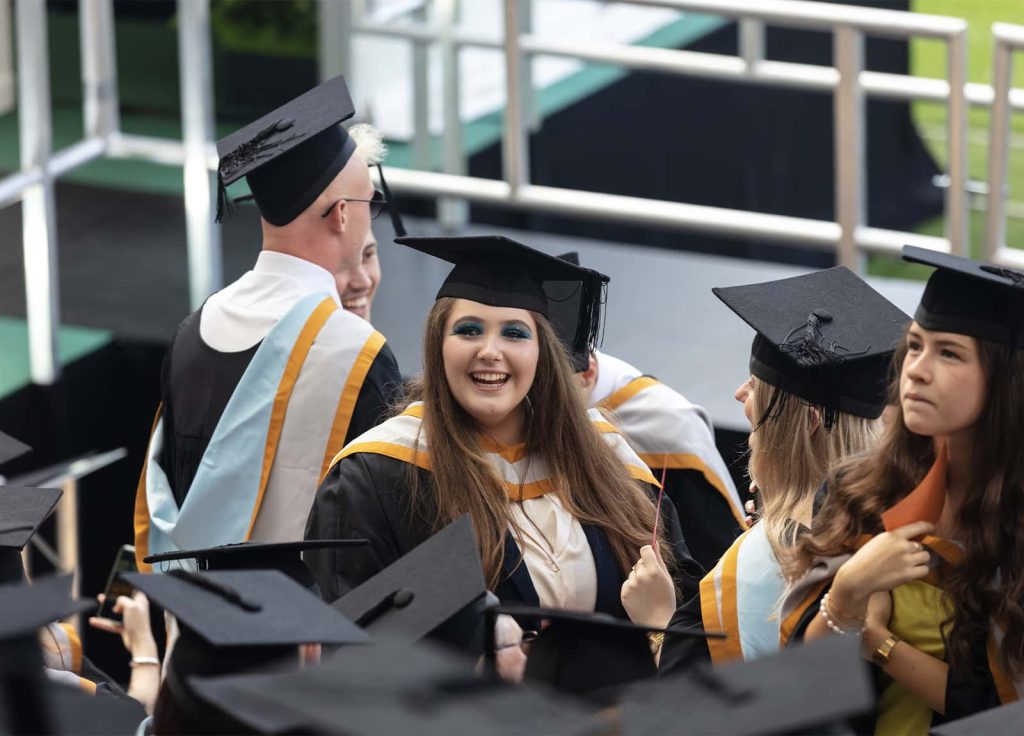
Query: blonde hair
370	145
794	452
591	481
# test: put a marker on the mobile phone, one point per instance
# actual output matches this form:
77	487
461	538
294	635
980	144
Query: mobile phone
116	586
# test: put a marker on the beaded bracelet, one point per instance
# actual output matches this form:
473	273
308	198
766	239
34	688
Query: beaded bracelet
832	625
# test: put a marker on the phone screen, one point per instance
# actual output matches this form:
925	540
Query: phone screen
124	562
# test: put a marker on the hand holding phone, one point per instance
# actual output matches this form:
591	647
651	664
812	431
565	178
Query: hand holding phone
116	587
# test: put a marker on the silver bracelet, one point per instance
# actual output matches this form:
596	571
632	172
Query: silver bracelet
136	661
832	625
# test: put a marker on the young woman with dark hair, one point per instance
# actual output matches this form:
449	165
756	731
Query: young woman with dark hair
937	597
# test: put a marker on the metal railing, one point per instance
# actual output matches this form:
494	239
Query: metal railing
33	184
849	82
1008	39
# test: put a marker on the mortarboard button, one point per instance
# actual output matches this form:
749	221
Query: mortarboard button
437	589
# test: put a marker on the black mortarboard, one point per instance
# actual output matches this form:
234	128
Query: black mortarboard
247	608
437	589
290	155
498	271
11	448
826	337
102	714
1005	719
391	689
805	688
22	511
25	705
970	298
586	654
283	556
25	608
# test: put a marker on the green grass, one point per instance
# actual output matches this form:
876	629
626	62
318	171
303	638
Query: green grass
928	59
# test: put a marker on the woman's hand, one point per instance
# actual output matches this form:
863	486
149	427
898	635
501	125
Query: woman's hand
135	632
509	656
889	560
649	595
876	624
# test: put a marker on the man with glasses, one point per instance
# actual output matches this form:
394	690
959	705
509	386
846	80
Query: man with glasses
267	381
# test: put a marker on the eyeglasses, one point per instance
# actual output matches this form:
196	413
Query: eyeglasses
377	203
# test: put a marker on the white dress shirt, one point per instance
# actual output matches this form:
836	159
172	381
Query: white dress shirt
556	552
241	314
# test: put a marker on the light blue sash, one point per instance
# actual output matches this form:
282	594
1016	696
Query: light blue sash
759	588
220	502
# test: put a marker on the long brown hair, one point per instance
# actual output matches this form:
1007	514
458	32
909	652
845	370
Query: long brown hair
794	455
591	482
989	583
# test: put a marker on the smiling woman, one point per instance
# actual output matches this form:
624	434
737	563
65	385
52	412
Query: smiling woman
497	429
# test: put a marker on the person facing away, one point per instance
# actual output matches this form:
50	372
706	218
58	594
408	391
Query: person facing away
265	383
560	503
819	365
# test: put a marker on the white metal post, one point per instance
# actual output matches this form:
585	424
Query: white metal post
998	147
334	31
421	97
850	162
100	107
514	143
194	54
957	204
6	58
39	222
452	214
751	42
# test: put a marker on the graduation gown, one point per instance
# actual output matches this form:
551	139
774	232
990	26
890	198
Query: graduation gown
364	495
740	597
242	440
919	608
675	439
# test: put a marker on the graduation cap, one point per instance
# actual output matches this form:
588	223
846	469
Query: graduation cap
390	688
970	298
826	337
1004	719
247	608
22	512
291	155
807	688
11	448
24	609
587	654
563	306
925	502
498	271
283	556
436	590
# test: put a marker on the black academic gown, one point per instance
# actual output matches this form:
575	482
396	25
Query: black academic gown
364	496
197	382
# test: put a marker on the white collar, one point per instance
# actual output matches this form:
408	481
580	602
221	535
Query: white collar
612	374
314	277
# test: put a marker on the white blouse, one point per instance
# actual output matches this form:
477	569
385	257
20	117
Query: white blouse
556	553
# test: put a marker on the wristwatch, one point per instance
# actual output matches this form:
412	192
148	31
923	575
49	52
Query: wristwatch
882	655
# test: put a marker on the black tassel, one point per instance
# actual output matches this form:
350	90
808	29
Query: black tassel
223	200
393	213
1016	278
243	155
810	348
593	295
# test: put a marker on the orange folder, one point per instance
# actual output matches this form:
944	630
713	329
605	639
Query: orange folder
925	502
